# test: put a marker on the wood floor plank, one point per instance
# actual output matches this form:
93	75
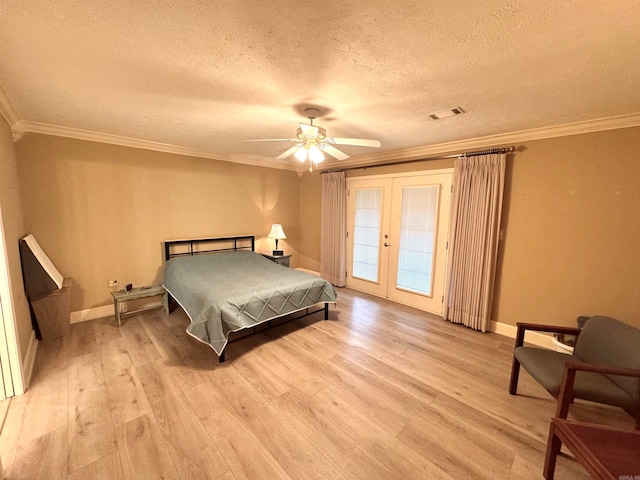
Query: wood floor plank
353	461
457	449
395	455
566	469
277	360
194	453
85	372
228	475
529	448
164	396
106	467
297	333
115	359
46	408
324	346
392	408
140	347
105	329
245	454
10	433
407	383
378	391
91	432
126	396
284	442
43	458
143	452
81	339
268	385
186	358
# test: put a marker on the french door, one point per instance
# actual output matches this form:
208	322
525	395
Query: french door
397	237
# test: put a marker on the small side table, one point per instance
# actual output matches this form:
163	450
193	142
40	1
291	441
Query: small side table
606	453
121	296
279	259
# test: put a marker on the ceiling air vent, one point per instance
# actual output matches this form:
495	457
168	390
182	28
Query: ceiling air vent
446	113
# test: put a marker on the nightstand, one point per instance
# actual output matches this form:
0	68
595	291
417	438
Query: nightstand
279	259
121	296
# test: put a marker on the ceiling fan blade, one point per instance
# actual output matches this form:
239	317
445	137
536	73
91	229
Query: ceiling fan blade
334	152
273	140
289	152
360	142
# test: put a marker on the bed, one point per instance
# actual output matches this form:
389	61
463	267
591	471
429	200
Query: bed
224	286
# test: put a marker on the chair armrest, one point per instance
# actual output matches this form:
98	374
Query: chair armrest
565	397
603	369
536	327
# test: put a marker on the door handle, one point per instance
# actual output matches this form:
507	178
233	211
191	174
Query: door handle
386	244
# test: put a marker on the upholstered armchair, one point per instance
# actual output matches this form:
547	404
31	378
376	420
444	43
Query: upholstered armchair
603	342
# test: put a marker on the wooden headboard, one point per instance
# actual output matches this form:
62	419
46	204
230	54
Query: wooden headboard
199	246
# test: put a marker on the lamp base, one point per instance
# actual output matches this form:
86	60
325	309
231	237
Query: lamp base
278	252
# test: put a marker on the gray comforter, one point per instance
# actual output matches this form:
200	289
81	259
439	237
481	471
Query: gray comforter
230	291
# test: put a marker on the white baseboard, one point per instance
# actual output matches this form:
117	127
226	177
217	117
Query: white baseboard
544	340
317	274
91	314
28	362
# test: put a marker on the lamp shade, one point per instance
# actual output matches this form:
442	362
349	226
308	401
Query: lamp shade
276	232
315	154
301	154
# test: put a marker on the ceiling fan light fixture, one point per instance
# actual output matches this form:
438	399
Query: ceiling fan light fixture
312	143
301	154
315	154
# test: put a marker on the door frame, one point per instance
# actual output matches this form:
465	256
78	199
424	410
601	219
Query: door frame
11	362
390	177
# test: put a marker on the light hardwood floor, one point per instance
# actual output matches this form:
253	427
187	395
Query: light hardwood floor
379	391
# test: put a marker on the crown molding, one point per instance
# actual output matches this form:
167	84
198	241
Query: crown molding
21	127
417	153
79	134
6	109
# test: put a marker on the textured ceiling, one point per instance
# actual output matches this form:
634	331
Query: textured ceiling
202	76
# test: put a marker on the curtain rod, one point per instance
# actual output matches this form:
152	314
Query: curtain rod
510	149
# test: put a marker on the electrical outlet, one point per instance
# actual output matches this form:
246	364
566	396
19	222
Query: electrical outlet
112	283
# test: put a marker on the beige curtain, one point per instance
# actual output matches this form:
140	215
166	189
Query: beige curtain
334	228
478	184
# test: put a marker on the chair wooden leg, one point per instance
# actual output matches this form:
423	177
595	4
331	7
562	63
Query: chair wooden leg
554	444
515	374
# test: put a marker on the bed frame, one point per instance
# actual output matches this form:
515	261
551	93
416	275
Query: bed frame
203	246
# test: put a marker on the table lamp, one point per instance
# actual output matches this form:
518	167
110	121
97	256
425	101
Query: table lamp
277	233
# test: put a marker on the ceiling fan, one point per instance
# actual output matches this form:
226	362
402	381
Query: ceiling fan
313	142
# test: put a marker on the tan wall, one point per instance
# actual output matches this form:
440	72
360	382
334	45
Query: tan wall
101	212
13	229
570	218
310	201
571	221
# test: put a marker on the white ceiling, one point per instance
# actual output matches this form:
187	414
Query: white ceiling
199	77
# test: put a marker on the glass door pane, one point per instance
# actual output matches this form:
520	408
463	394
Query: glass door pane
418	219
366	234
